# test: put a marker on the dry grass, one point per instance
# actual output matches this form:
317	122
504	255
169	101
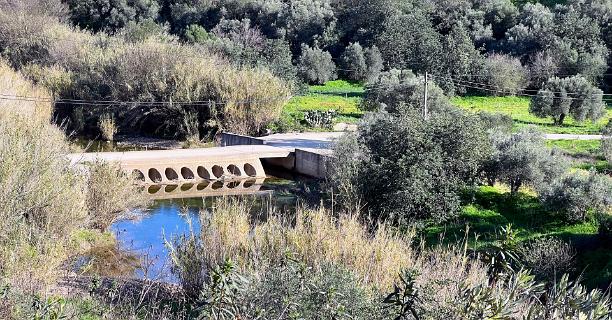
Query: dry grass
44	198
108	128
111	194
75	64
312	236
15	85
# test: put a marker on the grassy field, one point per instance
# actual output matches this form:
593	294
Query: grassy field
491	208
339	95
518	109
345	97
577	147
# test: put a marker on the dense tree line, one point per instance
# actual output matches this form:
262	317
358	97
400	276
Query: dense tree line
504	43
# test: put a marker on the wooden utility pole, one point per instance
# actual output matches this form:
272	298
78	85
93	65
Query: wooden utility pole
425	97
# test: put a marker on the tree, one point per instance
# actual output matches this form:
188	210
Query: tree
397	90
504	73
577	195
354	62
110	15
522	159
316	65
374	61
606	141
196	34
404	169
573	96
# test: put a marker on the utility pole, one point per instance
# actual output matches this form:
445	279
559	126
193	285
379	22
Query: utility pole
425	97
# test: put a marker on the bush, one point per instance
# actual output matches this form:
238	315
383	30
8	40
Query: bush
548	258
606	141
577	195
110	15
374	61
43	199
572	96
496	121
605	229
110	69
316	66
397	90
522	158
325	292
111	194
312	236
504	73
108	129
320	119
408	170
354	62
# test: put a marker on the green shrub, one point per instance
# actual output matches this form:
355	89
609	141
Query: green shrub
606	141
158	75
579	196
407	170
316	66
496	121
522	158
605	229
294	290
397	90
563	97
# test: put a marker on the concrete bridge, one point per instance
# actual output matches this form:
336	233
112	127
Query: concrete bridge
239	158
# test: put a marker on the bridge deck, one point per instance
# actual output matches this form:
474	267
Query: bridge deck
216	153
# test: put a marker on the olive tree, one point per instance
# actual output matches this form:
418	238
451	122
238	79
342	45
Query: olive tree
521	159
397	90
573	96
606	141
505	73
111	15
354	62
404	169
577	195
374	61
316	65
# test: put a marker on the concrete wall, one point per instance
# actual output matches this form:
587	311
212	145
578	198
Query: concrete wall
312	163
232	139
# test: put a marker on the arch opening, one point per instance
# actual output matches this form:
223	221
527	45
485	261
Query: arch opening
217	171
171	174
233	169
217	185
249	183
138	175
186	187
170	188
202	186
154	189
203	173
154	175
250	170
187	173
233	184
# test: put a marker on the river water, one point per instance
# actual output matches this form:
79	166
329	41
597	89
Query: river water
166	219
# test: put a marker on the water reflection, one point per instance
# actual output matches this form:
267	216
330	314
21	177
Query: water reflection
207	189
177	208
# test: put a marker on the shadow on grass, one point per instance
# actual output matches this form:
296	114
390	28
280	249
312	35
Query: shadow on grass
487	209
342	94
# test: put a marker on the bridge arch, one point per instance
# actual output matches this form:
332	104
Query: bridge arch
187	174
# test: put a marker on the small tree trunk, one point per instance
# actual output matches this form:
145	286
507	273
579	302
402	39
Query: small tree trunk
559	121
